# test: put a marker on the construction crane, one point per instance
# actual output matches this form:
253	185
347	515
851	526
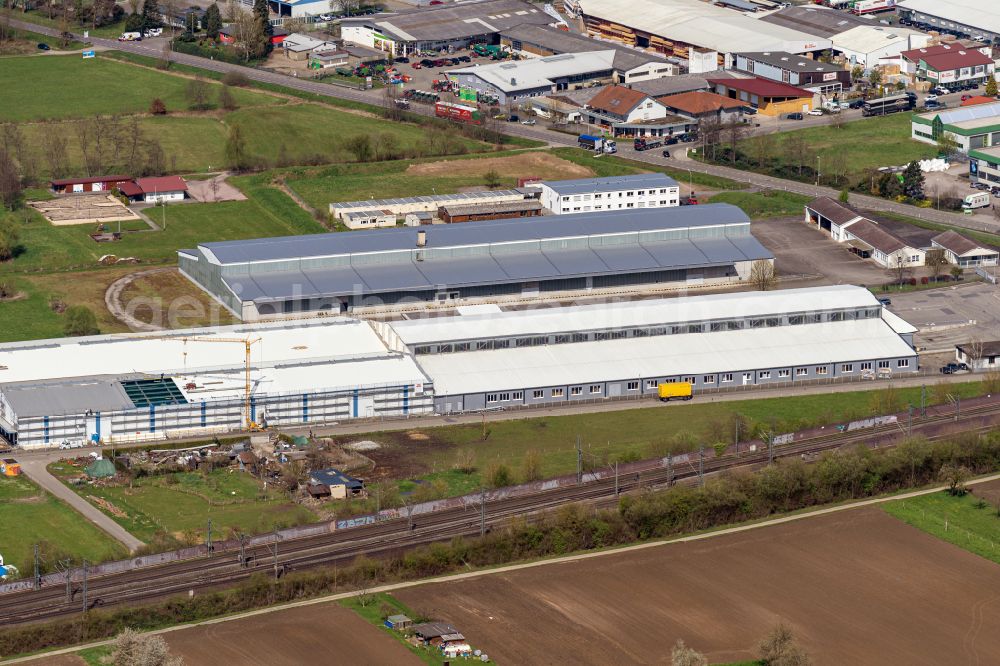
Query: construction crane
247	344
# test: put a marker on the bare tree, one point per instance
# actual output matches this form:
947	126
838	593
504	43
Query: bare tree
682	655
11	187
956	477
901	271
155	158
246	31
779	648
170	14
132	648
763	275
761	147
734	132
936	261
710	130
55	147
797	149
197	94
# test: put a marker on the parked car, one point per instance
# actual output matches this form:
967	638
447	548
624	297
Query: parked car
402	60
932	98
514	118
749	111
844	105
794	116
940	90
666	153
42	46
952	368
885	301
856	103
528	121
815	112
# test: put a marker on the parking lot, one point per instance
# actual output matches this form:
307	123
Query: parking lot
951	315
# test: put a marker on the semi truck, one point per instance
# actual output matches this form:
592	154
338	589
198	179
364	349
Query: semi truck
597	144
458	112
674	391
644	144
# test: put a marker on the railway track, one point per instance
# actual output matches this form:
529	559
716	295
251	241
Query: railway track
226	568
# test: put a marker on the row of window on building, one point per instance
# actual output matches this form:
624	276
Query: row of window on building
723	378
600	195
586	209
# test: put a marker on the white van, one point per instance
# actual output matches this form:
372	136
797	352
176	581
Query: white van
977	200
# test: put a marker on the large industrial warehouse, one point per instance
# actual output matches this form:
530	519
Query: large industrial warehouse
142	387
592	352
379	269
135	387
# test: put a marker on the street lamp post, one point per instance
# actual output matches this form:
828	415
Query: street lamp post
818	165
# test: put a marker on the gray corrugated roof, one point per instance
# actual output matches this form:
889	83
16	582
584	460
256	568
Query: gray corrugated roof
476	233
612	184
457	197
561	41
819	21
66	397
791	62
454	21
504	268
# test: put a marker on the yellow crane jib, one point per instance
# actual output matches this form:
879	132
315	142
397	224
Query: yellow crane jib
247	345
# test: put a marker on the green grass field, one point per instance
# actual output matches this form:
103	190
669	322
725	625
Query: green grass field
71	87
180	504
863	144
373	612
30	516
620	435
963	521
617	166
768	203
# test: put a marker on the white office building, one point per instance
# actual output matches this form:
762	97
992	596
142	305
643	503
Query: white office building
647	190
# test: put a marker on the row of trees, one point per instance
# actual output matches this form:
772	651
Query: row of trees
777	648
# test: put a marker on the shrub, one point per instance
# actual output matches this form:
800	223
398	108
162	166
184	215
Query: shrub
498	475
924	280
157	107
80	320
236	79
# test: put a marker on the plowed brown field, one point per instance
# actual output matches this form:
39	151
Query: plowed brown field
322	633
857	587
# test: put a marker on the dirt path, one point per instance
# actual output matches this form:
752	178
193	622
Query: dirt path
299	201
216	188
112	299
536	164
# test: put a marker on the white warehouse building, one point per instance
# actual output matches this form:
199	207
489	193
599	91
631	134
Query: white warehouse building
593	352
146	387
646	190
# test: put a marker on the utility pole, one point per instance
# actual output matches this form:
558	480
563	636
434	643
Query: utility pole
909	425
276	554
579	461
409	516
736	419
482	512
85	586
38	572
616	478
923	401
208	541
958	406
243	551
770	448
670	469
701	465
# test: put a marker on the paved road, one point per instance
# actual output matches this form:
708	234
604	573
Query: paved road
154	48
34	468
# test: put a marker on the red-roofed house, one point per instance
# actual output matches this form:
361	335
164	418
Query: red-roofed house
87	184
155	190
770	98
702	104
948	63
628	112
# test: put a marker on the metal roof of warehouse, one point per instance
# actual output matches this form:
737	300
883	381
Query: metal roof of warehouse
791	61
532	73
583	363
629	314
819	21
985	15
454	21
429	198
611	183
561	41
473	233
